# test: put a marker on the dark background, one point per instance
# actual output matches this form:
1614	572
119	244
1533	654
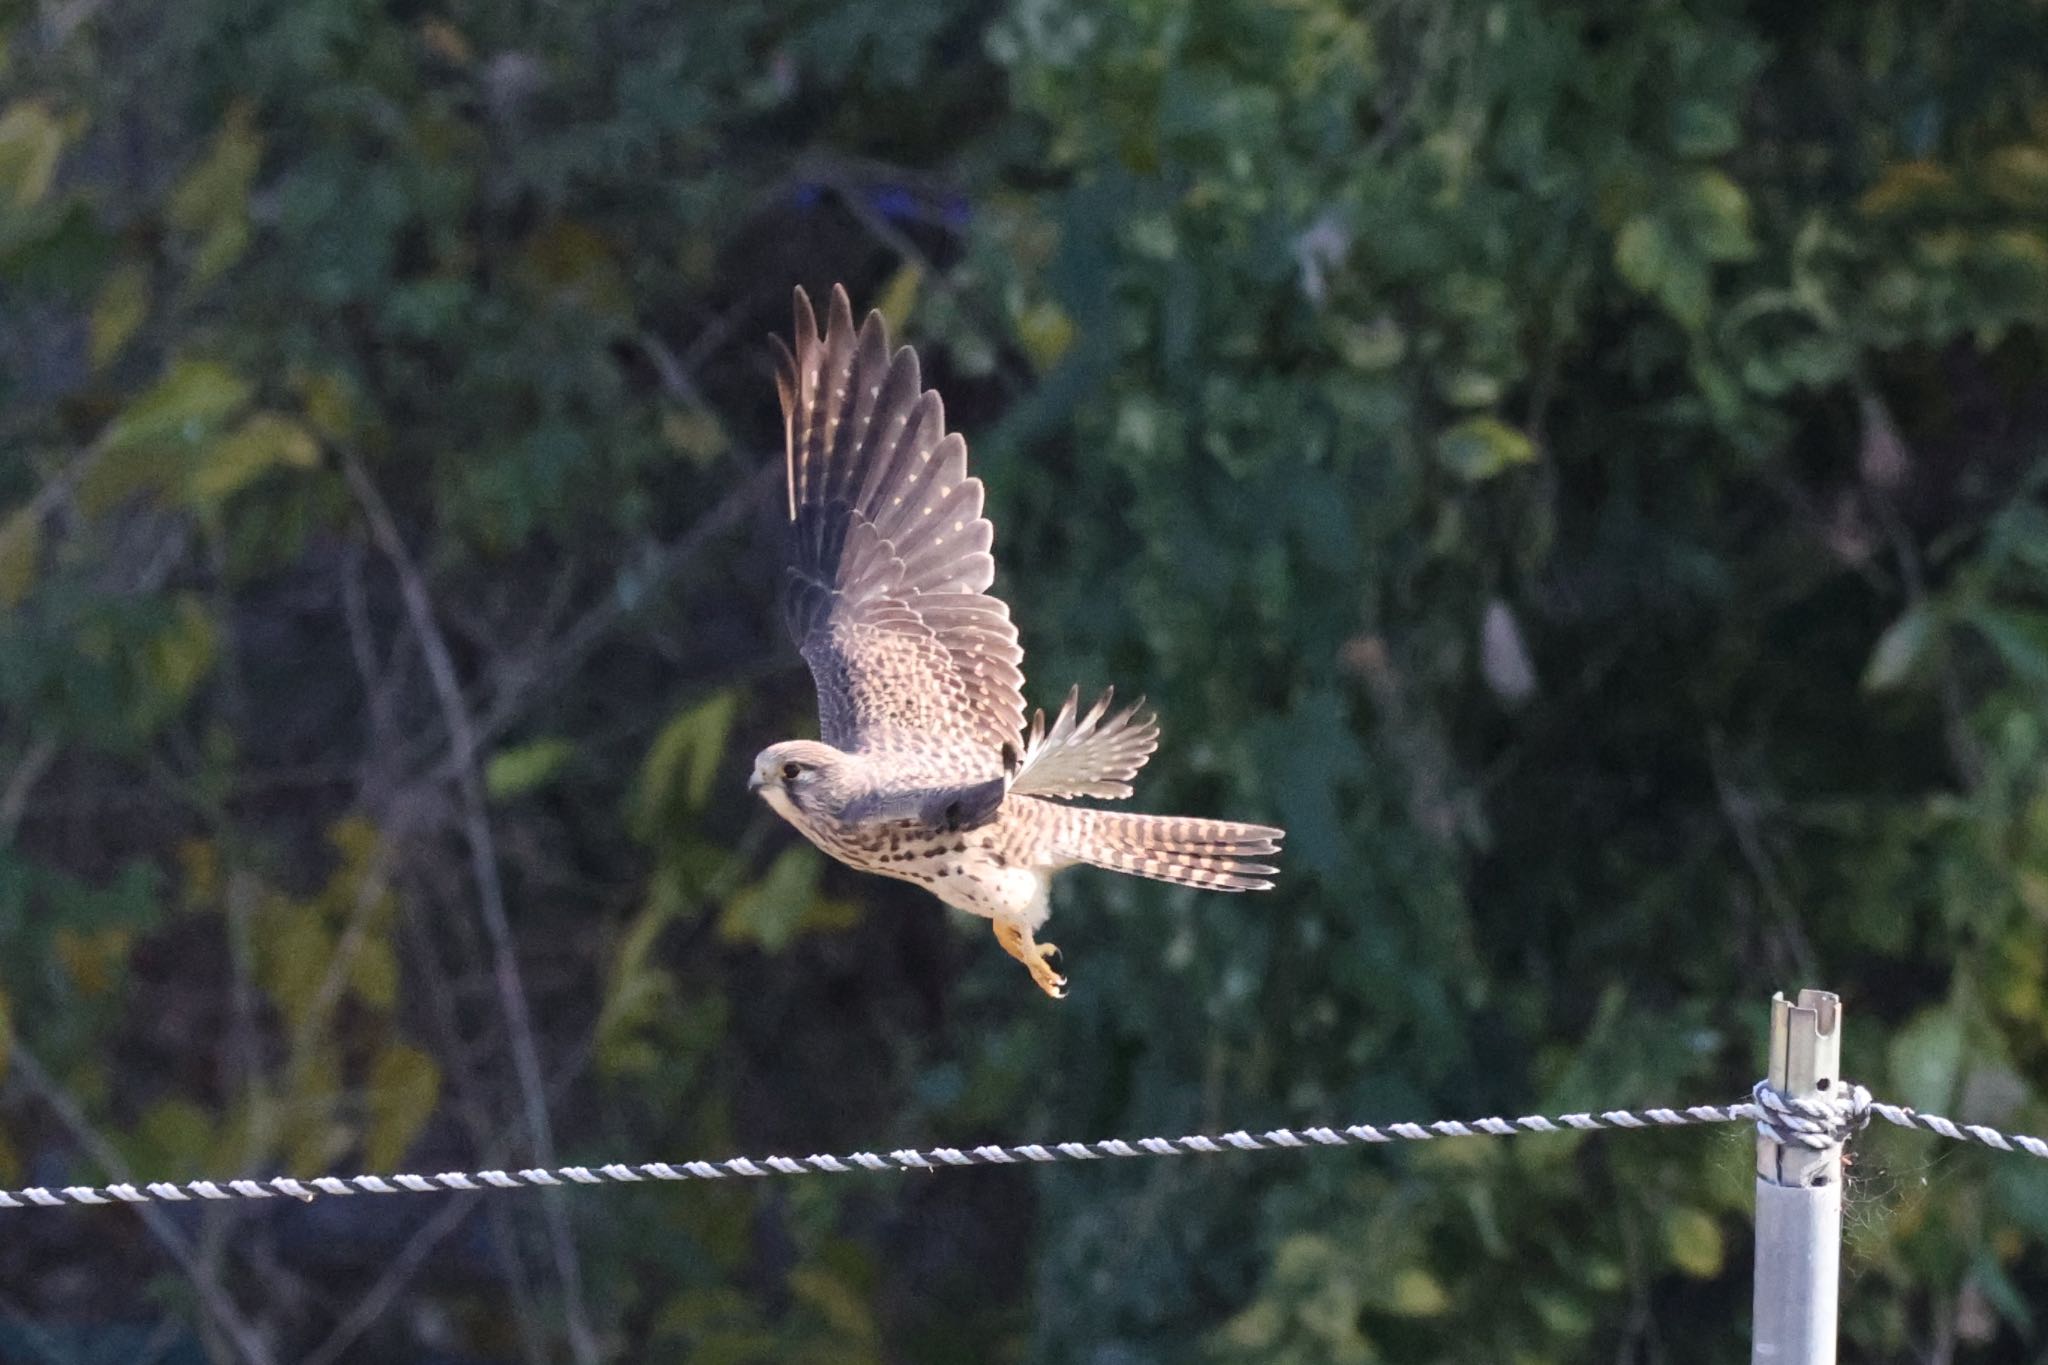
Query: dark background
1578	467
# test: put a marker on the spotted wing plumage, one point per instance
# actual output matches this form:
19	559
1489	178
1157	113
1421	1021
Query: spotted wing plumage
886	592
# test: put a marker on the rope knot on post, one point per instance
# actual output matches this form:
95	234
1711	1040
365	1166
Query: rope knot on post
1818	1122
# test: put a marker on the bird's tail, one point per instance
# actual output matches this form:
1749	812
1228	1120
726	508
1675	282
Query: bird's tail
1171	848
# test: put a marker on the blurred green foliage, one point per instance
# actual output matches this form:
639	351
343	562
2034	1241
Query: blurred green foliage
1579	467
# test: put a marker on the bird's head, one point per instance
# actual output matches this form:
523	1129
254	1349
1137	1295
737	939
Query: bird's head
798	778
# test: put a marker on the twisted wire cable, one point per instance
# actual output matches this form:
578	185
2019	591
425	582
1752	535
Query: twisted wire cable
1815	1123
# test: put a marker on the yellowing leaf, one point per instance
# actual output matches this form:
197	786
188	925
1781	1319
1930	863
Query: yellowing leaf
1908	187
573	261
1692	1238
220	247
2020	257
199	864
21	548
265	441
1370	346
213	198
446	41
1415	1293
1478	448
844	1308
405	1085
899	296
179	656
31	140
696	432
191	401
119	308
92	958
292	952
1046	332
2018	176
219	185
329	404
373	975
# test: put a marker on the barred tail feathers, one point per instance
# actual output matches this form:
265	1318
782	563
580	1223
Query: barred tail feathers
1210	854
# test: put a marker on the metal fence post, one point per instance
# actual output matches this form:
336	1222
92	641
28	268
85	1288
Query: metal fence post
1799	1195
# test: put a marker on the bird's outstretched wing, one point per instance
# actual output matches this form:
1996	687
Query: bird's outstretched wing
1085	754
889	566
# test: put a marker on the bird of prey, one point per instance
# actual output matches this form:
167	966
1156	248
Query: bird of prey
925	771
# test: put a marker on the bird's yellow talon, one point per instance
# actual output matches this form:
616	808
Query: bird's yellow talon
1036	957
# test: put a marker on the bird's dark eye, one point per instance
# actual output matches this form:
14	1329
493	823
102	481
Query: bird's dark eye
790	771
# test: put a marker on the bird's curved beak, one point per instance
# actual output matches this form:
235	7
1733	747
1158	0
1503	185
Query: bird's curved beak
754	781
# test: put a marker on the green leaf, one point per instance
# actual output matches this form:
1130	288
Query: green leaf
2020	534
1655	262
772	912
515	771
1478	448
1926	1059
2020	637
1899	650
1692	1238
1369	346
637	992
404	1087
175	1138
1717	212
1702	128
676	778
1642	252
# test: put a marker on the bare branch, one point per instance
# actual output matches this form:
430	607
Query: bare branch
14	797
219	1305
490	890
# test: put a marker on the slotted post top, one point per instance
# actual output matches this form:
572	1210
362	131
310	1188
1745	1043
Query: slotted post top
1806	1063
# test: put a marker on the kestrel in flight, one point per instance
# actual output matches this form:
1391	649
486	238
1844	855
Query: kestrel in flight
925	771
